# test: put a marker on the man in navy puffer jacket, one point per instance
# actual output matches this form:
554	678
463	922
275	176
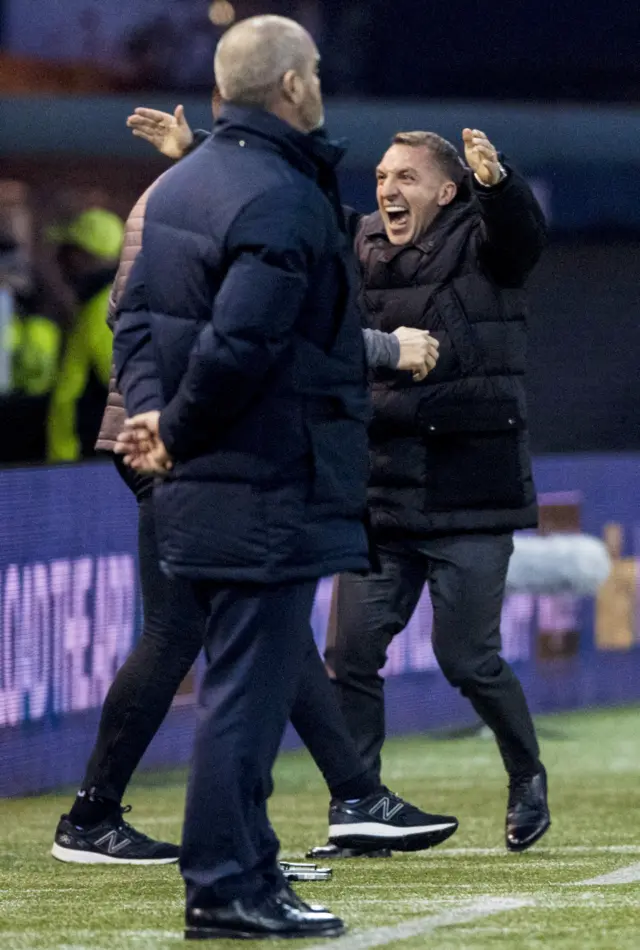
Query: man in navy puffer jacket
239	318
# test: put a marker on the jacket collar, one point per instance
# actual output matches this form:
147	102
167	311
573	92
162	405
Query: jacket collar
447	220
312	154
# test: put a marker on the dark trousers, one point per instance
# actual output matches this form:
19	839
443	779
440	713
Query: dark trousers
145	685
256	642
172	636
466	577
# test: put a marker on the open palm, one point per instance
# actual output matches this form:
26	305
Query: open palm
170	134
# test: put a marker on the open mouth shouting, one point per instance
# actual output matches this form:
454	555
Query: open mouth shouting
397	218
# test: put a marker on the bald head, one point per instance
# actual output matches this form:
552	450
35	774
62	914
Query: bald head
270	62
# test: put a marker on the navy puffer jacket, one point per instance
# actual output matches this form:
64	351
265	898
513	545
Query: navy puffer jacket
240	319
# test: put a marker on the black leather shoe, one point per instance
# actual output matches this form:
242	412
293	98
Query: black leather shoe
330	851
287	893
527	812
273	917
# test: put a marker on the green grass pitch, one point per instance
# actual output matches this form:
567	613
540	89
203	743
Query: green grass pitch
468	894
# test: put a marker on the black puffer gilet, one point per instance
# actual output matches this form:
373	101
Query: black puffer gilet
448	454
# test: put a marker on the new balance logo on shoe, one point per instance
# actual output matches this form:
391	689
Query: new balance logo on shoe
385	821
113	843
384	807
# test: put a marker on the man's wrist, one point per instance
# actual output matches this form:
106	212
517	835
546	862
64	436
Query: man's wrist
382	349
198	136
502	174
393	349
166	429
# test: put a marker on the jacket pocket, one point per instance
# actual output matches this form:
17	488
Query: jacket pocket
211	526
501	413
477	469
340	466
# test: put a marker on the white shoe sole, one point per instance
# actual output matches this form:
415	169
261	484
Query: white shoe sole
71	856
371	835
378	832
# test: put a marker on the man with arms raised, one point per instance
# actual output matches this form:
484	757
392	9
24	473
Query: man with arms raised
449	250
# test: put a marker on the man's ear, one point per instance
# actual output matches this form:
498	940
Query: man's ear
448	191
293	87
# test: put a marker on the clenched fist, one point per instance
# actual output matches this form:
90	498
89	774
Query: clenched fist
418	351
481	157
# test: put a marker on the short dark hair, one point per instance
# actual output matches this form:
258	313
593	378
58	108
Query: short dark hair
445	154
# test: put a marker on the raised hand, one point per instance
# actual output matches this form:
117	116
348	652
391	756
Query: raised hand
481	157
170	134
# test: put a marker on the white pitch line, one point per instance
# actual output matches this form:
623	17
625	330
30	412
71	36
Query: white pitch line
424	925
433	856
103	935
569	849
628	875
380	936
445	852
483	907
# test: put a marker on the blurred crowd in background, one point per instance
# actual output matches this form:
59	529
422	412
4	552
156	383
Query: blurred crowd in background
55	358
574	49
61	228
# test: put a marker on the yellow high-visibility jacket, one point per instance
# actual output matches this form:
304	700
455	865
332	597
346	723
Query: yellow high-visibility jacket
89	347
34	345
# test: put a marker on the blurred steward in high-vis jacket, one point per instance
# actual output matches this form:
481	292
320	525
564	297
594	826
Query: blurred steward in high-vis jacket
88	250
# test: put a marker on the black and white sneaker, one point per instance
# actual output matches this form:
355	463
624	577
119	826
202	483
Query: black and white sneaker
383	819
113	841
